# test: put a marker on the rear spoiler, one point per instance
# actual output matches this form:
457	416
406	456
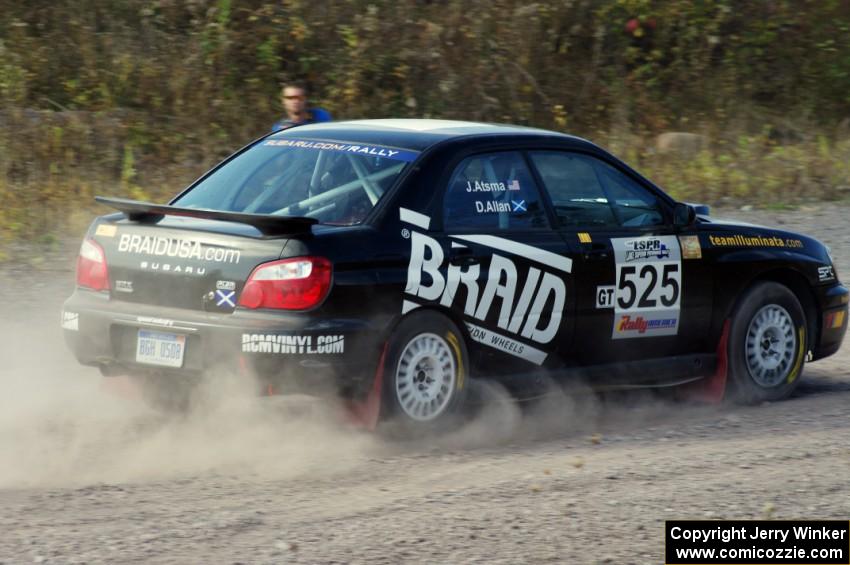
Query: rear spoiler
147	213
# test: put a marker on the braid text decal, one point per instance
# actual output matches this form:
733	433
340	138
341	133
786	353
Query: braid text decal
525	302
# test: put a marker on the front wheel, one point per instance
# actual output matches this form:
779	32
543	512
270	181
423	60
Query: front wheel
767	344
426	371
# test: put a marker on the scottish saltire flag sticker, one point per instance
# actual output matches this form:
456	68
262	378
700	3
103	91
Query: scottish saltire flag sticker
225	298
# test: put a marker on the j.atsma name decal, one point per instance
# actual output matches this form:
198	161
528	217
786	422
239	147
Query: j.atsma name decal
293	344
529	300
481	186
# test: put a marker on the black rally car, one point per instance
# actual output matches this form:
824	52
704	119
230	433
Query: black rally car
394	260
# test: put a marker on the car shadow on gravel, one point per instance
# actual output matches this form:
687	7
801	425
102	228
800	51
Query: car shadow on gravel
497	419
820	381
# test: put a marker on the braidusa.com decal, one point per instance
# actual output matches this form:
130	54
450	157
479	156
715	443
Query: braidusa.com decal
529	300
179	248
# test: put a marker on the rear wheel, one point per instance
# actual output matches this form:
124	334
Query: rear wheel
426	372
767	344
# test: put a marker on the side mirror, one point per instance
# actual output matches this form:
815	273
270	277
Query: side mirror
683	214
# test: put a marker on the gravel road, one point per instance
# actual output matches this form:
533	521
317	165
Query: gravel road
88	474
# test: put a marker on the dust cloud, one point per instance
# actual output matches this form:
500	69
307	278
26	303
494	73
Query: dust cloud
496	418
62	424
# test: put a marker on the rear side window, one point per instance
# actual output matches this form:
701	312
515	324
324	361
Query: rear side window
493	192
587	192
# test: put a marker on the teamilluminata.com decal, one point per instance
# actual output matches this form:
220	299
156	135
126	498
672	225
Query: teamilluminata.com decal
753	241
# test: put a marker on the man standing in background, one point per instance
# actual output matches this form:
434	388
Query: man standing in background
293	96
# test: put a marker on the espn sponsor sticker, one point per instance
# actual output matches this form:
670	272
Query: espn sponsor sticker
761	542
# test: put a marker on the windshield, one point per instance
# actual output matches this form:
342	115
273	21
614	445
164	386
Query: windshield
335	183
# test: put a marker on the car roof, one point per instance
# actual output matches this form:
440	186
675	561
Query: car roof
415	134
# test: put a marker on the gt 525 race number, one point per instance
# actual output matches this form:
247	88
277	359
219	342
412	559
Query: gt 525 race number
654	283
648	288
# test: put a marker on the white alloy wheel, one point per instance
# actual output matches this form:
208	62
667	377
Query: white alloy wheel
426	377
771	345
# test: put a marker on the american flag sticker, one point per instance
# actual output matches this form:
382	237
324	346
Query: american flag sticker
513	185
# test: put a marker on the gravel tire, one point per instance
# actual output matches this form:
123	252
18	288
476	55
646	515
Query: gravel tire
426	374
767	344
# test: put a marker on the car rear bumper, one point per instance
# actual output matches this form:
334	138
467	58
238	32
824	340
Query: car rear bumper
288	351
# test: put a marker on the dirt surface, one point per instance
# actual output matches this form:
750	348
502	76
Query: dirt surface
88	474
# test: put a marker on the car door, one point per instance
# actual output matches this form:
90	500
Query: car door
639	294
498	264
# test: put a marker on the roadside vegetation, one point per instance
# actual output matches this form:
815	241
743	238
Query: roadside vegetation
731	101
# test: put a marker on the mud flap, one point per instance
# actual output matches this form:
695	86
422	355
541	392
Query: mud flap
712	389
365	413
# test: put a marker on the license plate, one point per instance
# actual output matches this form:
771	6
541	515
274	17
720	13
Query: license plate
159	348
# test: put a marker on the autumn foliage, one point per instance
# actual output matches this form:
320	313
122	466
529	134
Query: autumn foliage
138	97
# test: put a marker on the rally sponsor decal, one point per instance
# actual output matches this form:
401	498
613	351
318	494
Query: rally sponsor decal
648	290
628	323
124	286
293	344
645	248
106	230
738	240
584	237
70	321
179	248
506	344
529	300
605	296
225	285
171	268
826	273
691	248
415	218
155	321
358	149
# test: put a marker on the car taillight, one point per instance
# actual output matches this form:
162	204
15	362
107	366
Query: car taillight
290	284
92	271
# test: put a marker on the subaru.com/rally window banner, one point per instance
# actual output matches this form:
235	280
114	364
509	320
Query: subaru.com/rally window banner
359	149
